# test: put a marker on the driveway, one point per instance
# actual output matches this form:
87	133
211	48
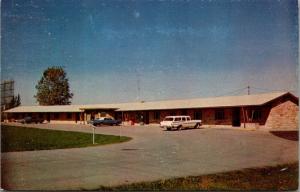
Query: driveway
152	154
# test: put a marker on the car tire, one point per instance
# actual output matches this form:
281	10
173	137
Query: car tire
197	126
168	128
179	127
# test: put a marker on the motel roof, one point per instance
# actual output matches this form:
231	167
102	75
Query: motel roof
46	108
212	102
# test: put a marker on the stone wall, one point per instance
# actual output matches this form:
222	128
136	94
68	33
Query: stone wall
283	115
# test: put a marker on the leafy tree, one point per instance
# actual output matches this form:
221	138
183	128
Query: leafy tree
53	88
15	102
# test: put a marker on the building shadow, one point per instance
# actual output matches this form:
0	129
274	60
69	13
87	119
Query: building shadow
289	135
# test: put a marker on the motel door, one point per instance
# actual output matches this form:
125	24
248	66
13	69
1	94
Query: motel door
236	122
146	114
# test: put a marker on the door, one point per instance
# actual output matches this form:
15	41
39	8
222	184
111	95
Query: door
146	114
48	117
77	117
236	122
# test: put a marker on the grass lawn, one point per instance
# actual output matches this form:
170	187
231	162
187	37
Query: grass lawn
30	139
278	178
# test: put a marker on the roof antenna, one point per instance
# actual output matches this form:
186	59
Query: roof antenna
248	87
138	85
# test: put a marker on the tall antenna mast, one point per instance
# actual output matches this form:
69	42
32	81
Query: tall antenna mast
138	85
248	87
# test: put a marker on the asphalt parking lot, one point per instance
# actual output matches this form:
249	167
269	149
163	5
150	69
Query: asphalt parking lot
152	154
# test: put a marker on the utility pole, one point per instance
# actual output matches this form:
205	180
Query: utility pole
248	87
138	85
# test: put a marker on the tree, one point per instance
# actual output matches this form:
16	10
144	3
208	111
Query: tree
53	88
15	102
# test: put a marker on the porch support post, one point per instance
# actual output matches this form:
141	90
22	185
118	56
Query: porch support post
122	118
84	118
244	118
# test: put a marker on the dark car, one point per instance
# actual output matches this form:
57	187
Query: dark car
31	120
106	121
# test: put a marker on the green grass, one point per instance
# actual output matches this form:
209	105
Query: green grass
30	139
268	178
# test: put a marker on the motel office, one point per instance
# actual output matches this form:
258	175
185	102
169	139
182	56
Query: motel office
269	110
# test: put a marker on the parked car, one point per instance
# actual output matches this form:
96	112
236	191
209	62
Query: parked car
31	120
106	121
97	119
179	122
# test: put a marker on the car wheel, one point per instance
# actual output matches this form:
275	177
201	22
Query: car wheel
168	128
197	126
179	127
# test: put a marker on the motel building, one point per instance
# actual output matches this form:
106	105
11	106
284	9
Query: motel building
276	110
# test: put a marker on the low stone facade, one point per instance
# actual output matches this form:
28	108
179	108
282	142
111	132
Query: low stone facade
283	116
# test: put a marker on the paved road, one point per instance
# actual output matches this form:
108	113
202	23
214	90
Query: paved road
152	154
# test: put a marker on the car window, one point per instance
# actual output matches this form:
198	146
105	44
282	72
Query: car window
188	118
183	118
168	119
178	119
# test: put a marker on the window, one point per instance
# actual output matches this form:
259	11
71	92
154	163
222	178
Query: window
256	115
56	115
198	115
41	115
69	115
178	119
173	113
183	112
219	114
156	115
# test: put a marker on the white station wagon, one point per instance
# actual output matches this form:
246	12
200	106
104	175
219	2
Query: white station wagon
179	122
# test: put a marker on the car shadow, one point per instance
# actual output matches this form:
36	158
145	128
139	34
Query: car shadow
289	135
187	129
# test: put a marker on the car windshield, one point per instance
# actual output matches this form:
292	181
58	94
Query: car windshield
168	119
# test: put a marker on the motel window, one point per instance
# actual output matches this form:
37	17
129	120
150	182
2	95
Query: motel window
69	115
256	115
184	112
56	115
156	115
198	115
41	115
173	113
219	114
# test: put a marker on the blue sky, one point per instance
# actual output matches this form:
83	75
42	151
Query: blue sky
118	51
